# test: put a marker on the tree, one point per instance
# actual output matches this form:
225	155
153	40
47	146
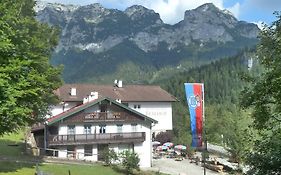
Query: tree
266	156
264	97
130	161
163	137
27	80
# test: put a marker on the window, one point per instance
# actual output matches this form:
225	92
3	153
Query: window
134	127
71	151
102	129
88	150
71	129
103	108
87	129
119	128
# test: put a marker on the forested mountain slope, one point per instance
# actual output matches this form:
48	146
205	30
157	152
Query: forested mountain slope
223	85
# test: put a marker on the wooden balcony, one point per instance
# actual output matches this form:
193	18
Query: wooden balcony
97	117
81	139
107	116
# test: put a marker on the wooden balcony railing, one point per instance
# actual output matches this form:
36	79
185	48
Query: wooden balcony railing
96	138
107	116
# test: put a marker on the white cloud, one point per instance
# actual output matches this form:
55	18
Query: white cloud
260	24
235	10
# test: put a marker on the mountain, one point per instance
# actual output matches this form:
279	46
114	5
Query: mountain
99	44
223	84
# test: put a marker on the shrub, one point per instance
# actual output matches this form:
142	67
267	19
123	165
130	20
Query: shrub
164	137
110	156
130	161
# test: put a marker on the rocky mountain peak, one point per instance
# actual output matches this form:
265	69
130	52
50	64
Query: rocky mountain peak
109	38
207	7
94	7
98	29
95	10
138	12
41	5
209	14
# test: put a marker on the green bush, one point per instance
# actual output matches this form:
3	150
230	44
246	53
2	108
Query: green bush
110	156
130	161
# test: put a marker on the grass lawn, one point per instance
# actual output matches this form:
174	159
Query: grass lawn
13	168
13	146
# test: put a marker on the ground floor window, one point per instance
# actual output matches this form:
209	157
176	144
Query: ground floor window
71	152
88	150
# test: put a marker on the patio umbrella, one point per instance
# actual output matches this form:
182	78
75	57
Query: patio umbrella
154	143
161	148
180	147
168	144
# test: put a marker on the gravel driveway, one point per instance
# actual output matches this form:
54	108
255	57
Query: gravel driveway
183	167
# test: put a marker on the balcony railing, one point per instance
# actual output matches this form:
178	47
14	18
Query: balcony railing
103	116
96	138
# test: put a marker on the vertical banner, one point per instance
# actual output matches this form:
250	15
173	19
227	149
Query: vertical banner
194	95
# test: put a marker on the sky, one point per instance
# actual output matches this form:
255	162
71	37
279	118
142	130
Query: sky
172	11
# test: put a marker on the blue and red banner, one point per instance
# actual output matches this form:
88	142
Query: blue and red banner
194	95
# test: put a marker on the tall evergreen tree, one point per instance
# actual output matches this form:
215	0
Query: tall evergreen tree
27	80
264	96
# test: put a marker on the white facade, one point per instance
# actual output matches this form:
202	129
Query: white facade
160	111
145	156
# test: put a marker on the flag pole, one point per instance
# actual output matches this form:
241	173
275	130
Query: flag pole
204	130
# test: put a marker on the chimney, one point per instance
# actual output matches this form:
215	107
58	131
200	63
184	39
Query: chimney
93	96
73	91
120	84
85	100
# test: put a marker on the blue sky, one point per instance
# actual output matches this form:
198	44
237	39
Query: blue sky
172	11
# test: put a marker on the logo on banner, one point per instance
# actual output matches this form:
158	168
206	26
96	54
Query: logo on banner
194	101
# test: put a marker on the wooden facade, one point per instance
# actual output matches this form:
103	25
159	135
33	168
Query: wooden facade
103	117
82	139
111	113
